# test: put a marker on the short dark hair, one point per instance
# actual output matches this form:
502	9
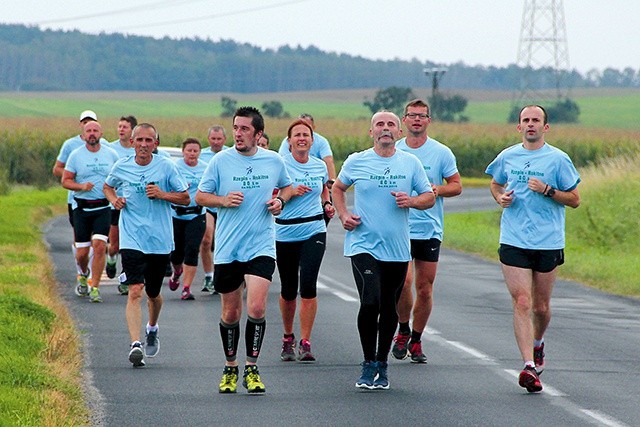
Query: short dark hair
257	121
416	103
131	120
544	112
191	141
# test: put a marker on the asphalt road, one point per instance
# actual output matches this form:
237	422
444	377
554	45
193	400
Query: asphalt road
470	379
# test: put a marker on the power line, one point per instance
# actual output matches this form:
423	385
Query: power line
214	16
157	5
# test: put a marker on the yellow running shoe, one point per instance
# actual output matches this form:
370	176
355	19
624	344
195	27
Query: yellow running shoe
94	295
251	380
229	381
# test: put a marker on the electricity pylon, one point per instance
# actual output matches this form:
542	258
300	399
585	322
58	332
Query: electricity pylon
543	45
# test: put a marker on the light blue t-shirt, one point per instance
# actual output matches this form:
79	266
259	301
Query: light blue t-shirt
247	231
320	147
146	224
91	167
122	151
533	221
384	229
162	153
313	174
192	175
65	150
206	154
438	162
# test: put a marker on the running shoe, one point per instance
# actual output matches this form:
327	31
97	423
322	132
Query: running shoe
538	358
111	269
400	349
82	285
174	280
152	344
304	352
288	349
123	289
251	380
229	381
369	370
417	356
381	382
207	284
529	379
136	356
186	294
94	295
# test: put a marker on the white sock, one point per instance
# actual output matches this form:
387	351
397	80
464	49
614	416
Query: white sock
538	343
74	250
152	328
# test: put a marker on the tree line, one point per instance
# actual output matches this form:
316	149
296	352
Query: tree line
32	59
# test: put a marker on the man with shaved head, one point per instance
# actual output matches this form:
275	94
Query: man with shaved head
84	174
387	183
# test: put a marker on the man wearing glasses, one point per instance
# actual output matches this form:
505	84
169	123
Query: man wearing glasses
425	229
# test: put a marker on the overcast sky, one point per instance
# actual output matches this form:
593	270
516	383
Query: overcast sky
600	33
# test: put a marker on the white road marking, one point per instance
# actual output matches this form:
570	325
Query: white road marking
604	418
597	416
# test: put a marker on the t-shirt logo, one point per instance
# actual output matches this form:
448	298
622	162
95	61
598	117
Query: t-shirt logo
249	170
387	171
527	165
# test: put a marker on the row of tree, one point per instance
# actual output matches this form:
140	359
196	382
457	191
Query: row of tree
35	59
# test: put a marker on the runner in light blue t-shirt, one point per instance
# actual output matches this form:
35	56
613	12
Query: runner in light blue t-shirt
188	222
58	168
124	148
533	182
425	229
84	174
216	137
301	236
150	185
377	238
240	183
320	149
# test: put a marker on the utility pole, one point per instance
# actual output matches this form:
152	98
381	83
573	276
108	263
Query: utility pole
436	73
543	45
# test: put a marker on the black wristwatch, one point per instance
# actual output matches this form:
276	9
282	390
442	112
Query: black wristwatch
551	192
281	201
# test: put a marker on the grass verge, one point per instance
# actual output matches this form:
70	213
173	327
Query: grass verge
39	362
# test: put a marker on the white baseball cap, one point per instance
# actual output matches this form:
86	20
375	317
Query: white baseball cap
88	114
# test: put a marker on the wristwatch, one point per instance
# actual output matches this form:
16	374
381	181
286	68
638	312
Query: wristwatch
551	192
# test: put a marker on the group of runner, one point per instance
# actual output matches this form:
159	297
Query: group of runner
153	210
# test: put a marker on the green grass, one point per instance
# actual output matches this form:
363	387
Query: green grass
39	380
619	112
163	105
598	108
602	235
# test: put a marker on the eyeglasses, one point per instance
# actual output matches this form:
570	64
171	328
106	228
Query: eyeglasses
414	115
